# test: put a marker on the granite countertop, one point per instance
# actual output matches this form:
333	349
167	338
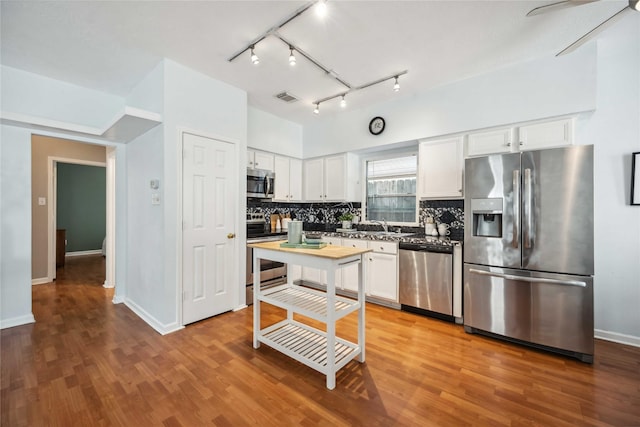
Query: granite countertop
418	238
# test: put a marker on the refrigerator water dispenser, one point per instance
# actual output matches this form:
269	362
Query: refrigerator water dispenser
487	217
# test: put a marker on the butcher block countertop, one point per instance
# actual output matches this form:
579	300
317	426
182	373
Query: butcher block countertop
329	251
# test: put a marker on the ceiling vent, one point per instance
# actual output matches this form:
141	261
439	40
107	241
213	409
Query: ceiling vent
286	97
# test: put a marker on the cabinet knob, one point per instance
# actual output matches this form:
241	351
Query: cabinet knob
521	143
230	236
508	144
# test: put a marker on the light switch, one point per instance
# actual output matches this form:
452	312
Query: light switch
155	199
42	201
154	184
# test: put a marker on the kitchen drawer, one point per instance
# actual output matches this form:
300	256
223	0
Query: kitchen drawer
355	243
384	247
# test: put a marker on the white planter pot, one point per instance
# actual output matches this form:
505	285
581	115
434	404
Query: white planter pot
346	224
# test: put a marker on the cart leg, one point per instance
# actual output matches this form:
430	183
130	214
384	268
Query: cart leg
256	302
361	301
331	328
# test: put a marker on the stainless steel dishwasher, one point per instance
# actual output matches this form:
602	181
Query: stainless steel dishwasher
426	279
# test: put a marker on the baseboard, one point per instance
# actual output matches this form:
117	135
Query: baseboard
616	337
152	321
82	253
17	321
40	281
242	307
117	299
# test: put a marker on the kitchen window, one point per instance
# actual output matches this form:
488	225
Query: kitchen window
391	189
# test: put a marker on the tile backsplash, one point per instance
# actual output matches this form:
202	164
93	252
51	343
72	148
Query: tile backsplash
324	216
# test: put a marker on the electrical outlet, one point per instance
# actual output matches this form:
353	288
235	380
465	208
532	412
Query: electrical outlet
155	199
42	201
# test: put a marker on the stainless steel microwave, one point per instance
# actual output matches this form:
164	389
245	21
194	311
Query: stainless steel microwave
260	183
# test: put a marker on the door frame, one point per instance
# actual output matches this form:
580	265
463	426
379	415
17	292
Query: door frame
241	205
52	195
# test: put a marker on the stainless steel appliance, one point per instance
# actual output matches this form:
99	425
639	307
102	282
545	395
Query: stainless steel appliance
426	279
272	273
260	183
528	273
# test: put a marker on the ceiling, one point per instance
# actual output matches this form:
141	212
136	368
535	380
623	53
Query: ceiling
110	46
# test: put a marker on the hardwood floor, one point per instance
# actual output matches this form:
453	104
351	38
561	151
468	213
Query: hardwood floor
88	362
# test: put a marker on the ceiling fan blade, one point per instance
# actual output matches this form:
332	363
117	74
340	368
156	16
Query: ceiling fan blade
591	34
557	6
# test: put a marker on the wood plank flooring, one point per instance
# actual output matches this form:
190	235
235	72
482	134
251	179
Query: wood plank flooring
88	362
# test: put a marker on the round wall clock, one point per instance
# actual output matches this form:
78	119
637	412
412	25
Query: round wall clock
376	125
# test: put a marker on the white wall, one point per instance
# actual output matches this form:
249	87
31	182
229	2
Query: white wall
532	90
604	78
614	129
190	102
271	133
36	96
15	227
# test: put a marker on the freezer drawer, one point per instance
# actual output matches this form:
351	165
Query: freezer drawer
545	309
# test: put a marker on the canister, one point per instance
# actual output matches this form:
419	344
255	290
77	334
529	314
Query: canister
294	232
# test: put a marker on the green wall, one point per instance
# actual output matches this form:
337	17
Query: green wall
81	205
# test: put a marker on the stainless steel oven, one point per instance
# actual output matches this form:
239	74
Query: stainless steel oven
271	273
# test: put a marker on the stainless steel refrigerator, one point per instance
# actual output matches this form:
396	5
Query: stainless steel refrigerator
528	248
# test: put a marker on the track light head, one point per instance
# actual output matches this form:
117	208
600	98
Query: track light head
396	85
343	102
317	109
634	4
292	58
254	58
321	8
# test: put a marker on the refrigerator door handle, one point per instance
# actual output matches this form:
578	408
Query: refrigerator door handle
528	215
529	279
516	209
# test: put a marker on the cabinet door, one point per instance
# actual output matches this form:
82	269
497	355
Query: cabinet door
313	180
295	180
557	133
495	141
281	169
382	276
335	178
294	272
263	160
350	274
440	168
250	157
314	275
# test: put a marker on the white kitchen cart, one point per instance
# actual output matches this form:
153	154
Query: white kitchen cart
320	350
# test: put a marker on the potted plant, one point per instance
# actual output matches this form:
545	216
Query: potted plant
346	219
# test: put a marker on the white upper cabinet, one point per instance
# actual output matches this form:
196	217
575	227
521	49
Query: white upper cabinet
491	142
333	178
440	168
288	183
260	160
556	133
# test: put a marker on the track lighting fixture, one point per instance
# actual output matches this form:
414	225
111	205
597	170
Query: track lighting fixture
292	58
317	109
343	102
254	58
396	85
321	8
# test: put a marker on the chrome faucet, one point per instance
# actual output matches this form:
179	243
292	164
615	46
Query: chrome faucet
384	225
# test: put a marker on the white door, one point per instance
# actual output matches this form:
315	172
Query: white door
208	264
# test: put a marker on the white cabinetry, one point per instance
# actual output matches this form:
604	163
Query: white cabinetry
440	165
382	270
259	160
491	142
535	136
333	178
288	186
556	133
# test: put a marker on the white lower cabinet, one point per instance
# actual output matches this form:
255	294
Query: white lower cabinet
381	278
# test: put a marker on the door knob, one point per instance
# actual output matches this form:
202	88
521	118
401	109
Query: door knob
230	236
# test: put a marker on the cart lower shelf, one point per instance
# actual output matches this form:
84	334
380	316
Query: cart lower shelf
307	345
